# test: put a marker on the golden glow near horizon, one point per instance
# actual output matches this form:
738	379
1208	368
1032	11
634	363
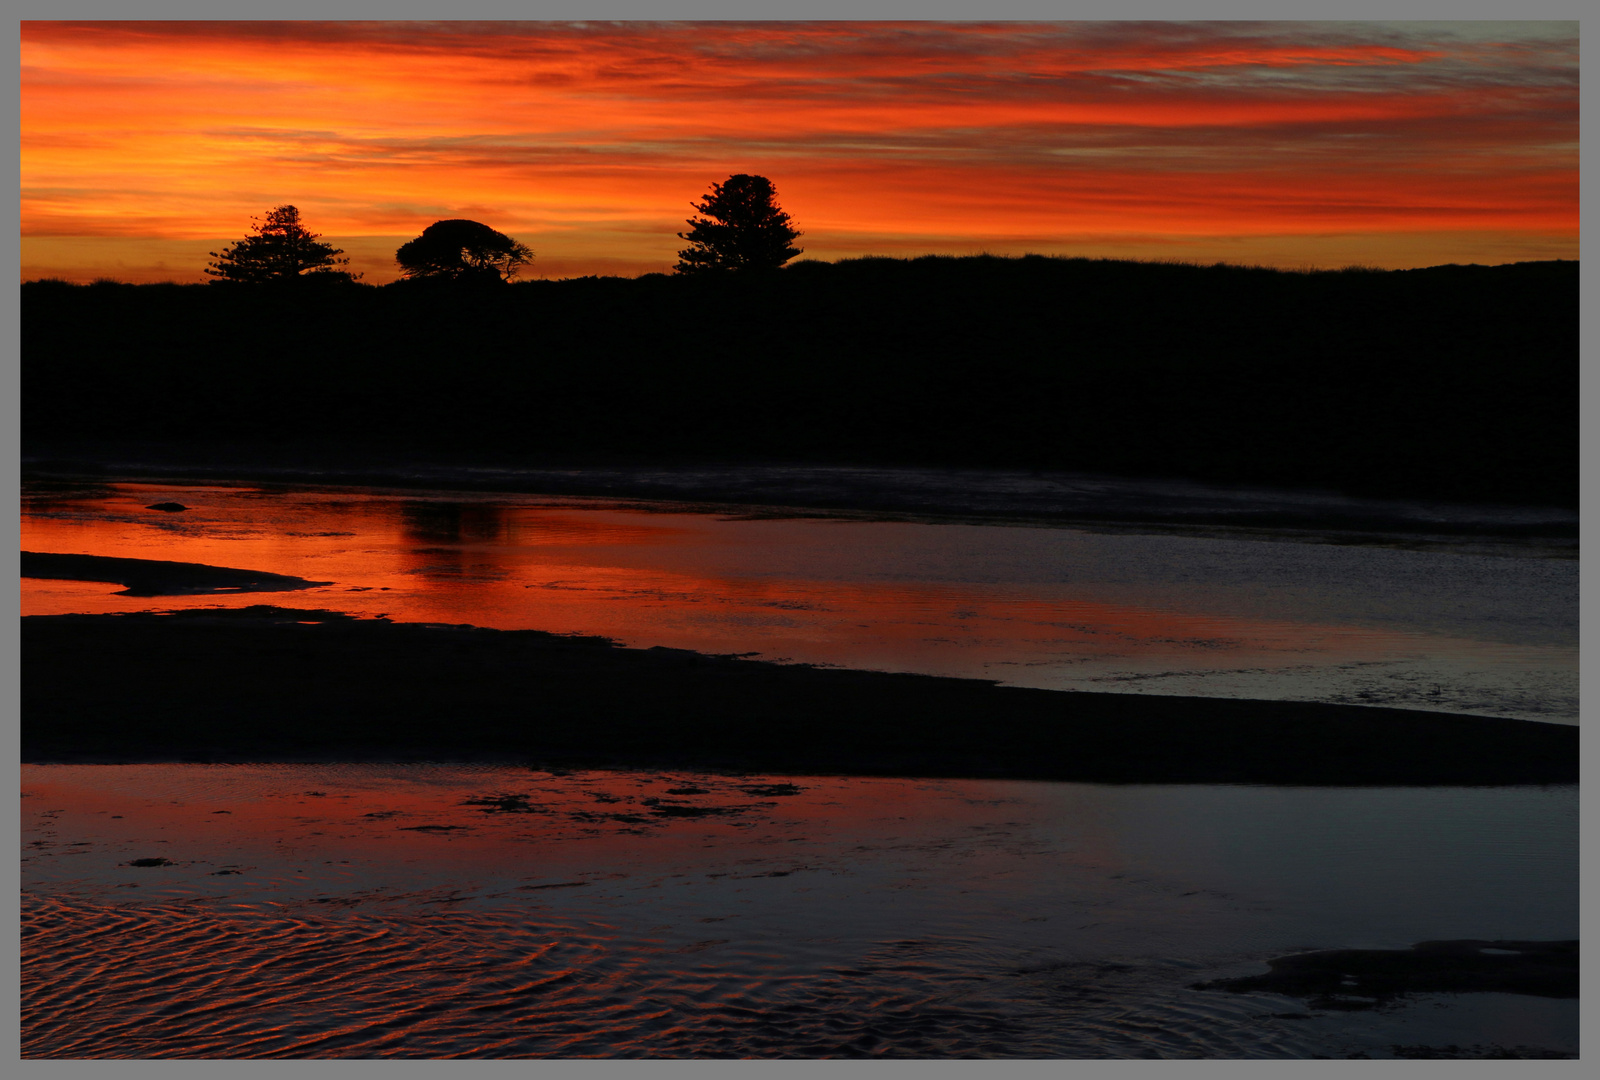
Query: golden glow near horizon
145	145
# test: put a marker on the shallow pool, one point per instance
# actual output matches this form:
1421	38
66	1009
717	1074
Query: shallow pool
480	911
1051	607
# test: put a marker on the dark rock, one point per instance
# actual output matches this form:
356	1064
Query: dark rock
433	828
503	804
1352	979
669	810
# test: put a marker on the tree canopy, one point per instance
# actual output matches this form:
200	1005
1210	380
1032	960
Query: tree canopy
279	249
743	229
458	249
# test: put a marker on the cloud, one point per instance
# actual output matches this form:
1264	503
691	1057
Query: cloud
943	129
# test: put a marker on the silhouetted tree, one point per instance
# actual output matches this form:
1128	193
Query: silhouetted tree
459	249
281	249
744	229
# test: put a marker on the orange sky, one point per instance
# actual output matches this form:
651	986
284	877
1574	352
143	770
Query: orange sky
146	145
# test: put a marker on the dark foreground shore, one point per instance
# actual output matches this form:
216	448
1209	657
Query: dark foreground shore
280	684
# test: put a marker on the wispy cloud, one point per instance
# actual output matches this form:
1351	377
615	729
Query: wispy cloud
967	130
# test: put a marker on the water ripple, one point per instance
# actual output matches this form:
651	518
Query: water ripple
188	980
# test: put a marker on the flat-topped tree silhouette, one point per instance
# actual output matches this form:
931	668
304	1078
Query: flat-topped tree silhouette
744	229
280	249
458	250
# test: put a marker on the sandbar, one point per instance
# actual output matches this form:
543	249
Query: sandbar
157	577
267	683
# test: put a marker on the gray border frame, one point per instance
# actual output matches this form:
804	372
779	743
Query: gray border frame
753	9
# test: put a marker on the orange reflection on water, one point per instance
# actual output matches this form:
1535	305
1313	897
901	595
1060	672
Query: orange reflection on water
496	911
271	905
1044	608
649	578
281	825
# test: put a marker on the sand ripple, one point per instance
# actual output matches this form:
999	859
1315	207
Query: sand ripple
438	911
200	980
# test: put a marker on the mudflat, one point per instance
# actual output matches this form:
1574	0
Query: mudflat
281	684
1367	978
157	577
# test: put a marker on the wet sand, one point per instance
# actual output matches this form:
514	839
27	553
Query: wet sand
281	684
496	911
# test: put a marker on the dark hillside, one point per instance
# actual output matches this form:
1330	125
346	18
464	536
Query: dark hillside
1454	382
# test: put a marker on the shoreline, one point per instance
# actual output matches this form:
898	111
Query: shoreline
270	684
870	492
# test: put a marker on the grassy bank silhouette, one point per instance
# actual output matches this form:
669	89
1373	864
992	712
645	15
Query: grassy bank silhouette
1453	382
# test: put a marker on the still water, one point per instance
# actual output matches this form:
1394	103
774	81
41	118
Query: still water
477	911
1053	607
455	910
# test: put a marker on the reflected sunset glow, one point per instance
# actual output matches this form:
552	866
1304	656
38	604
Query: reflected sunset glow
372	911
1047	608
634	576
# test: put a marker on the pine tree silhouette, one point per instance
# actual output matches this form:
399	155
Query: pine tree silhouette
743	229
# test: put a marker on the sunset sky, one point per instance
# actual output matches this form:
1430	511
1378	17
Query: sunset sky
146	145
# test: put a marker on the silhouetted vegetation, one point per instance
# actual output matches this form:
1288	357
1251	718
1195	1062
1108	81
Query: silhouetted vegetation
1453	381
743	229
279	249
459	250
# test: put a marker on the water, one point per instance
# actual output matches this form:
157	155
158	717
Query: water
477	911
1458	627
